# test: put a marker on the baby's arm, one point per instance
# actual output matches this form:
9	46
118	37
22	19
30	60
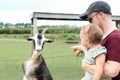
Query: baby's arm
78	49
100	61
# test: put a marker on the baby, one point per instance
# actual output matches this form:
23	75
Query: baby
91	36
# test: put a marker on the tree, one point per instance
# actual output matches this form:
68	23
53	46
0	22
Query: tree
1	25
8	25
27	25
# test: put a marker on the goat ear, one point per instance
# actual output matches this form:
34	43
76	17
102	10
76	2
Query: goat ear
30	38
49	40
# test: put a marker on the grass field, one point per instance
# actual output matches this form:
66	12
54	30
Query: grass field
61	61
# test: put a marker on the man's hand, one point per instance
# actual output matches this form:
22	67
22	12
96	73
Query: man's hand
84	65
87	67
111	68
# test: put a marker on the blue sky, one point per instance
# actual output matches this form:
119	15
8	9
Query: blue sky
14	11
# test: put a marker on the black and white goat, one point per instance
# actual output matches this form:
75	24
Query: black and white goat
35	67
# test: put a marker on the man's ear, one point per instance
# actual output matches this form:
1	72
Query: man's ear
102	15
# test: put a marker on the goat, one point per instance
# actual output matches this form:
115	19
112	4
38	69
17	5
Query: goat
35	68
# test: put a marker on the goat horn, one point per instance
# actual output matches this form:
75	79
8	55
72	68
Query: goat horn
43	32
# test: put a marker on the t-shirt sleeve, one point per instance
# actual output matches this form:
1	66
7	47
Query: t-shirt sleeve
98	51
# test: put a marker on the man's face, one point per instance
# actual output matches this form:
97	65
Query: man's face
92	17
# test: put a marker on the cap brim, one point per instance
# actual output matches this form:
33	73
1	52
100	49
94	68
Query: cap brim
84	15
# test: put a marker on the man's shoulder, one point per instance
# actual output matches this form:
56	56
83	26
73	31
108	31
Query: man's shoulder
114	34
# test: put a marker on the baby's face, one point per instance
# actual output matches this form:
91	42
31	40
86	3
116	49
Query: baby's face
84	39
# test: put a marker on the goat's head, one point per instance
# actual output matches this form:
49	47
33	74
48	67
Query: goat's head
39	40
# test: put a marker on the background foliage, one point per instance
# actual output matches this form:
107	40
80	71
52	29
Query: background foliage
61	32
49	31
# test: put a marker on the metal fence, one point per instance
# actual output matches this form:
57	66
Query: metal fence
61	68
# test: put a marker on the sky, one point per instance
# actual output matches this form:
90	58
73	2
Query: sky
20	11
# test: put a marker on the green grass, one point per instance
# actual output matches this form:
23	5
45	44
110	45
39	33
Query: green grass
14	36
61	61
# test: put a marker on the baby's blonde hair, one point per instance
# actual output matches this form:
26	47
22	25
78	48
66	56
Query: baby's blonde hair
93	32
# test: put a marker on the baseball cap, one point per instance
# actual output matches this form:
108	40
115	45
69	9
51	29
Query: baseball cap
98	6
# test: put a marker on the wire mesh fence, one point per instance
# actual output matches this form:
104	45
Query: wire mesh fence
10	70
60	67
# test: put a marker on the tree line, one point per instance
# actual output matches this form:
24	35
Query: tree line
25	28
28	25
17	25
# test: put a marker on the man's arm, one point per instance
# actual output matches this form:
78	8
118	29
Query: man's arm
111	68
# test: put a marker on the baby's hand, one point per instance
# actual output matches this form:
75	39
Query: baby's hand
83	78
77	49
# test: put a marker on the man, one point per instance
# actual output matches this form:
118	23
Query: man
99	12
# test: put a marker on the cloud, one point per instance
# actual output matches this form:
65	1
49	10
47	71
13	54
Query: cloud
17	16
14	11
